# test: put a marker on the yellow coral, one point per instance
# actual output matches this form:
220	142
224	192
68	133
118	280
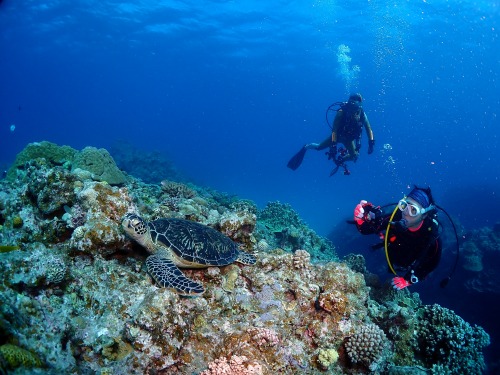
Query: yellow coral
118	350
15	357
231	275
327	357
17	222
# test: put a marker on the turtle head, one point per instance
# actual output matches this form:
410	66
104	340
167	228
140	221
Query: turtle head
134	226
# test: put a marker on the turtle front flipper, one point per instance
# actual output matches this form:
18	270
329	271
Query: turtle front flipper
167	275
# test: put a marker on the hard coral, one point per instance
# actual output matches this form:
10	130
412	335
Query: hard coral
262	246
327	357
52	153
444	340
17	222
278	216
301	259
264	337
237	365
101	164
13	357
366	345
177	190
238	226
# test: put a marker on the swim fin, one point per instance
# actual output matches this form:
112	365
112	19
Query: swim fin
296	159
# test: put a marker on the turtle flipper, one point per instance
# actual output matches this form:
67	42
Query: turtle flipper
167	275
246	258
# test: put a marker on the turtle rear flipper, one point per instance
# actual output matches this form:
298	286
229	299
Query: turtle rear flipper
246	258
167	275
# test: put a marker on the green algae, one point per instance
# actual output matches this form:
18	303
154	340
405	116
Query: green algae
8	249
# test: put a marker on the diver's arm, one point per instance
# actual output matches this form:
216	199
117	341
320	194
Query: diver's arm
369	133
368	128
370	219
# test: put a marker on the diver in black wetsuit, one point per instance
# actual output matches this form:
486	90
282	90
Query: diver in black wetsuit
413	244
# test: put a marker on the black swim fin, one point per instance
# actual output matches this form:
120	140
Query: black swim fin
296	159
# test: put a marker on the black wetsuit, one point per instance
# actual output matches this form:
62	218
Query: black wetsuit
418	251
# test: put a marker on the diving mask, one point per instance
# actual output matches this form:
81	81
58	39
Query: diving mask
412	209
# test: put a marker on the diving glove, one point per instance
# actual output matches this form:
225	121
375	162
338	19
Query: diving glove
363	212
400	283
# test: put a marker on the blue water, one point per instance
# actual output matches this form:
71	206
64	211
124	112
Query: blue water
230	90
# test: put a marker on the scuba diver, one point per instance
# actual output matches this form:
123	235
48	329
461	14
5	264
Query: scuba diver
350	118
411	235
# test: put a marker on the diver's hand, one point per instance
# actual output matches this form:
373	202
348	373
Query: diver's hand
312	146
363	212
371	143
399	225
400	283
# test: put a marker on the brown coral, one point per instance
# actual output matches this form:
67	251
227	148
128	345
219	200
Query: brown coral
239	226
334	302
176	189
301	259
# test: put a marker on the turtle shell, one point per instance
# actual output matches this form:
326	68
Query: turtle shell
194	242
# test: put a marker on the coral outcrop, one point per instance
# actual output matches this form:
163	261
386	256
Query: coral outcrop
481	255
100	163
76	296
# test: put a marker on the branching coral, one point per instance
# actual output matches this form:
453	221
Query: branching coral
176	189
446	341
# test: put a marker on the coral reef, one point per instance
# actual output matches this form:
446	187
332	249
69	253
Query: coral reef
236	365
301	259
448	344
177	189
76	296
481	254
53	155
100	163
13	357
282	227
150	167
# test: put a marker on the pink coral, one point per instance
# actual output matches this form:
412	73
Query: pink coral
237	365
264	337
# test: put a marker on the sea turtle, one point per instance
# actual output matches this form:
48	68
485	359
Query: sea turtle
182	243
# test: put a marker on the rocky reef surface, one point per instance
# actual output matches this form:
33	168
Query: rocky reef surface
75	297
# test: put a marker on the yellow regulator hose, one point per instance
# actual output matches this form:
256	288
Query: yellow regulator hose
386	239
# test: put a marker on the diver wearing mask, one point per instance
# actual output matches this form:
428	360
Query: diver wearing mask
410	235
